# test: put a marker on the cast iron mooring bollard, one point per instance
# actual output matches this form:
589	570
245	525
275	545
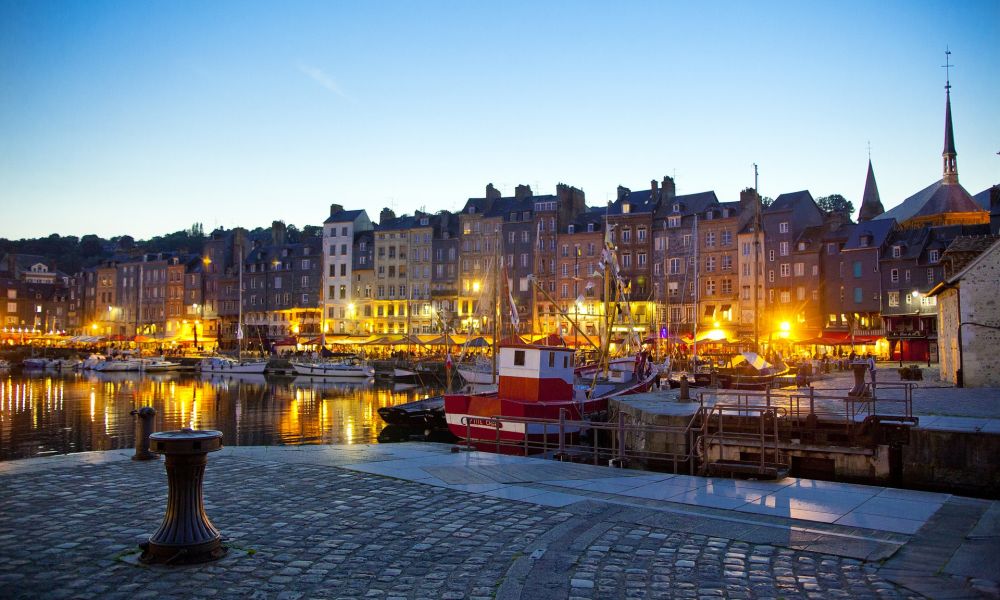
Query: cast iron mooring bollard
143	429
685	393
859	368
186	535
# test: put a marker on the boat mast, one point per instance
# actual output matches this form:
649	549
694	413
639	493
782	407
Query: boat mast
756	261
496	306
239	317
697	285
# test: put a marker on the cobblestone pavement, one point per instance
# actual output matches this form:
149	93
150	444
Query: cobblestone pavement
312	531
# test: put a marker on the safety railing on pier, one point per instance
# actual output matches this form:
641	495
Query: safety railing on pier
808	408
614	443
750	427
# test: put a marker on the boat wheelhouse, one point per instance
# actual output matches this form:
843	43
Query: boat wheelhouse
537	383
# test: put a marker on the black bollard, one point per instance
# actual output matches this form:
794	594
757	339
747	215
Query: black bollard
685	395
143	429
186	536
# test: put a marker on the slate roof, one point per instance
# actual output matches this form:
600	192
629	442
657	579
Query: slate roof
813	238
690	203
344	216
935	199
871	204
789	200
641	201
479	204
983	198
878	229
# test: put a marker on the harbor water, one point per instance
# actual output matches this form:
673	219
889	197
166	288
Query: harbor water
46	413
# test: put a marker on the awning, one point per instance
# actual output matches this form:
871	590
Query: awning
710	310
839	338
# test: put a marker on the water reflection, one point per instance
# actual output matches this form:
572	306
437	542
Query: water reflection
44	413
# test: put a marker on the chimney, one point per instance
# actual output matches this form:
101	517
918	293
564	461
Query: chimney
492	193
623	192
669	188
386	215
336	208
278	233
654	185
747	197
522	191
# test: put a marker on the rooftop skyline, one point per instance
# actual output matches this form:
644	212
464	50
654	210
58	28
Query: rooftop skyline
143	118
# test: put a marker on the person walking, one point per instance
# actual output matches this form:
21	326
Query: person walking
871	367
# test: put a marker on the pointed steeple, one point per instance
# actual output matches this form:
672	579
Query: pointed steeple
871	204
949	156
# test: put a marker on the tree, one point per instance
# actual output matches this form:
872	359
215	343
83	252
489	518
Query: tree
835	203
766	201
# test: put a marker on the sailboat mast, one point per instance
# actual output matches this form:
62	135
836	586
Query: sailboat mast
697	285
239	317
496	307
756	261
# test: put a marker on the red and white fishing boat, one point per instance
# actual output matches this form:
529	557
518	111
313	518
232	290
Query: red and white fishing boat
536	382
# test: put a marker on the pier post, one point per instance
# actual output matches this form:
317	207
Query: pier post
143	429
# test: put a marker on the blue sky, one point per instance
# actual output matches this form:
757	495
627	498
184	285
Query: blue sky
145	117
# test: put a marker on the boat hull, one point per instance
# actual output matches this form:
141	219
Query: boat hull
477	377
339	371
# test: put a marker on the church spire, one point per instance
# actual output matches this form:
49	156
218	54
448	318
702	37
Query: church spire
949	155
871	204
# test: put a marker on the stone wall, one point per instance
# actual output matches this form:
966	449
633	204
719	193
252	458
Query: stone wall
980	317
948	320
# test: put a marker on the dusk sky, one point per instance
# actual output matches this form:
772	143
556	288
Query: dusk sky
145	117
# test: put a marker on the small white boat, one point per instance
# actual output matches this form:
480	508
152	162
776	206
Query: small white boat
404	375
110	365
223	364
479	372
158	365
92	361
35	363
353	369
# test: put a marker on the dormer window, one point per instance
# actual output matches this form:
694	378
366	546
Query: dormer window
865	241
802	246
571	229
590	227
725	213
423	221
677	207
472	210
626	208
897	251
708	215
934	256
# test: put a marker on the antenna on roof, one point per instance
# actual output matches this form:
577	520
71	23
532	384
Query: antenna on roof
869	150
947	68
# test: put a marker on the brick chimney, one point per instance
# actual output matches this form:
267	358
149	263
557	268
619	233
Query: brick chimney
623	192
492	193
386	215
522	191
669	188
336	208
278	233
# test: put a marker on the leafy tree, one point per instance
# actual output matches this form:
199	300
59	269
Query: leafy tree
766	201
835	203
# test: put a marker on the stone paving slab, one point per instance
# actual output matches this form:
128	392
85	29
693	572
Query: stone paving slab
310	528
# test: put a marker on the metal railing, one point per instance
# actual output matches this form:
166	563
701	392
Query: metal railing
606	441
737	416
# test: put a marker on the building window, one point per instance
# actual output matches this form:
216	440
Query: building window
897	251
727	237
930	275
894	275
934	256
641	234
673	221
783	227
710	287
710	264
770	255
786	296
800	269
783	248
710	239
857	268
858	295
675	266
727	286
727	262
785	269
641	259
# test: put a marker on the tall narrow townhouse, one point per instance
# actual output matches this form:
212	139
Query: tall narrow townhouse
339	230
